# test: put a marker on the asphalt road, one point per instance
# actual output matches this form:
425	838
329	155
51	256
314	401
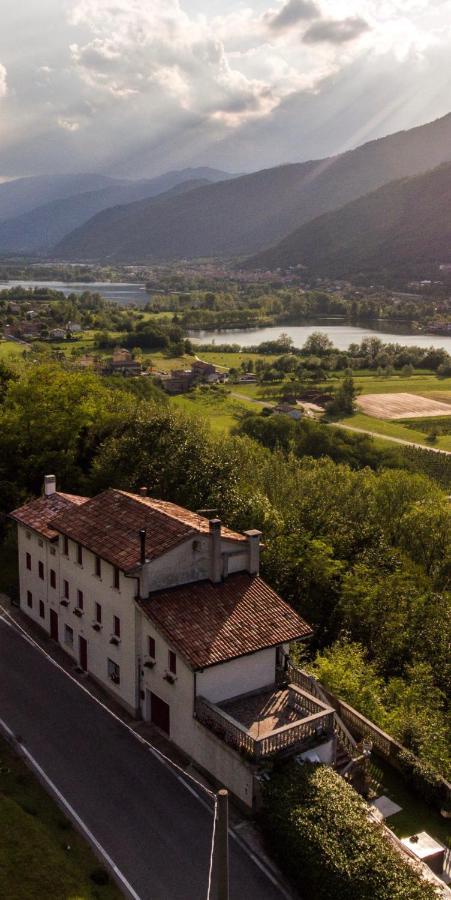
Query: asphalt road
157	832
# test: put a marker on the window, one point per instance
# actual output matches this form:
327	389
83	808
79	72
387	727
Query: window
114	672
80	600
172	662
66	545
116	578
40	542
79	554
151	646
29	599
66	589
98	613
41	570
117	626
98	567
28	558
52	551
28	535
52	578
68	636
41	609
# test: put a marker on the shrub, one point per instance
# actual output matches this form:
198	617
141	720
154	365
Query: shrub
99	876
319	830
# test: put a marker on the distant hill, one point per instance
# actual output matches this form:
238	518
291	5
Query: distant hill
23	194
39	227
405	224
252	212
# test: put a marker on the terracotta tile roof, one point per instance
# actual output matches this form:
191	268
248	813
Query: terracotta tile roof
109	526
211	623
40	513
199	523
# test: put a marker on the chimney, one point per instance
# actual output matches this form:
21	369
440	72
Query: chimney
49	485
143	492
142	539
215	550
253	549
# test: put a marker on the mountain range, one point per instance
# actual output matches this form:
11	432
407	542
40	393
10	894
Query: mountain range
246	214
404	225
37	212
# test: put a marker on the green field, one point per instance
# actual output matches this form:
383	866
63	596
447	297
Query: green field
41	855
10	351
395	429
222	411
419	383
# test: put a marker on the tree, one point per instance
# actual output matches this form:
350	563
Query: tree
317	344
343	403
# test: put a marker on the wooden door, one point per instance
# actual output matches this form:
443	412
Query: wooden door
159	713
53	625
83	653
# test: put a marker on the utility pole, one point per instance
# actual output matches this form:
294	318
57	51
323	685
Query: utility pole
222	858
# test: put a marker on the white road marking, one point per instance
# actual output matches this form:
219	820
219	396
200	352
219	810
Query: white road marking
72	814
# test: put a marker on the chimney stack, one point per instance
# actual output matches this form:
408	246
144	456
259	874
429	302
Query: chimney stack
253	548
49	485
143	491
215	550
142	538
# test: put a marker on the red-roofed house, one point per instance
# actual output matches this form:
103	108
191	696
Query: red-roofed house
166	610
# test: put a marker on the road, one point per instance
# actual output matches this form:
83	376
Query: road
154	829
388	437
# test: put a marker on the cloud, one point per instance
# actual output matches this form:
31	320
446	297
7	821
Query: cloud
68	124
3	83
330	31
293	12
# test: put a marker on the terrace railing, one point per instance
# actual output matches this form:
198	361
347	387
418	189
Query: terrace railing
310	684
315	721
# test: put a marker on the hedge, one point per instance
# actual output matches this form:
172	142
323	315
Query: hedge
318	828
423	777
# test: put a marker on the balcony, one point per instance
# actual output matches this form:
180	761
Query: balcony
272	720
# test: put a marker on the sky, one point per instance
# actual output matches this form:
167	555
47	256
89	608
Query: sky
133	88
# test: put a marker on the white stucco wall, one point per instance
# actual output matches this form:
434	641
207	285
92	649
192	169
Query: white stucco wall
191	561
239	676
101	590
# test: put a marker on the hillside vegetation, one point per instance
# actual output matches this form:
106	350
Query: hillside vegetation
253	211
405	224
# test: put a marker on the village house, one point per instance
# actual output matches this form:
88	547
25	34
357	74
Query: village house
285	409
123	363
166	610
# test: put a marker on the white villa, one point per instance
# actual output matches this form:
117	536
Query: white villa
165	609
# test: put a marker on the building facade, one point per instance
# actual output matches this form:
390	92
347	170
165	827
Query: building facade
166	610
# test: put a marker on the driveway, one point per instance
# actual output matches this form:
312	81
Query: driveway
156	831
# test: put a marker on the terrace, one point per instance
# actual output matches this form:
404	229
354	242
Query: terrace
272	720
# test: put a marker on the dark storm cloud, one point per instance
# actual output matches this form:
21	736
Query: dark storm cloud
329	31
292	12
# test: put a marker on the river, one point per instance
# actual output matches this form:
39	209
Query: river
124	293
341	335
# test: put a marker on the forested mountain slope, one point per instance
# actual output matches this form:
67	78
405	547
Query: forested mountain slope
253	211
405	224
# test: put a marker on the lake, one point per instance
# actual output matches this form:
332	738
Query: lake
126	294
341	335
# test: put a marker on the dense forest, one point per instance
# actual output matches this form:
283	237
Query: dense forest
362	554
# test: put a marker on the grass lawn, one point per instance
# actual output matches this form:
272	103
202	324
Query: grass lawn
395	429
231	360
35	863
416	815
